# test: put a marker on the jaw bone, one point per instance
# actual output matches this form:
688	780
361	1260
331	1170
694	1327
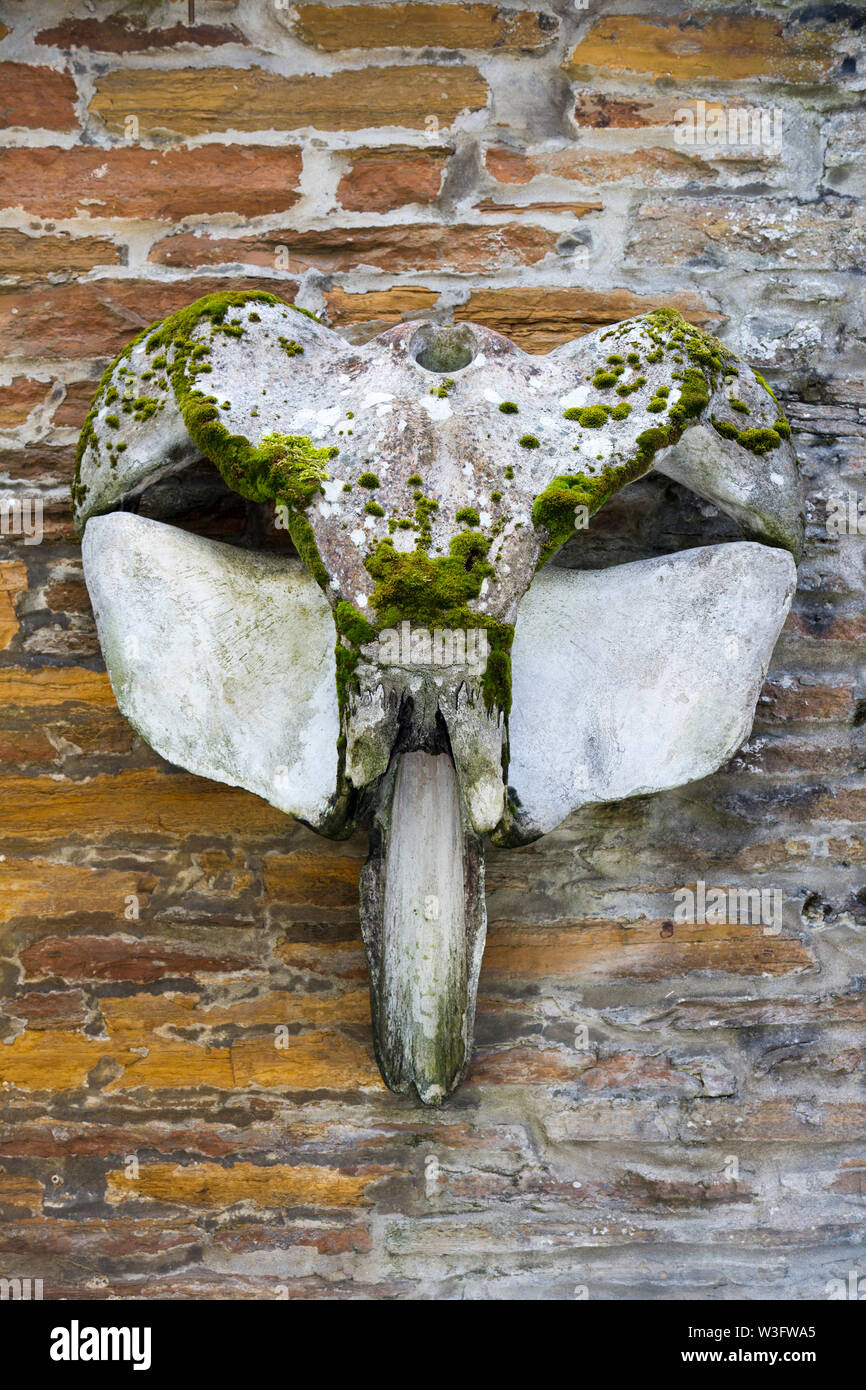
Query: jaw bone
265	674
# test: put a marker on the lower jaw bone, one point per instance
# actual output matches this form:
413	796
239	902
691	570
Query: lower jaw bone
424	922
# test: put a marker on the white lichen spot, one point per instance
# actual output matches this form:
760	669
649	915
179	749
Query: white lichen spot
437	407
361	599
579	396
376	398
591	446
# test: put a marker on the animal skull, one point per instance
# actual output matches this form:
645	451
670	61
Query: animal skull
417	670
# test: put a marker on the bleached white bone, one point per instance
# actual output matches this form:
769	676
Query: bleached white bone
641	677
222	659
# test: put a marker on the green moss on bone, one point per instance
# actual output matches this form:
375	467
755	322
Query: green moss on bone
429	591
171	332
304	542
88	438
554	509
436	592
288	469
496	681
442	390
352	624
626	387
767	387
591	417
757	441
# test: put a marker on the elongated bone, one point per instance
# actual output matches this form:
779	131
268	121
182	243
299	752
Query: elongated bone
424	925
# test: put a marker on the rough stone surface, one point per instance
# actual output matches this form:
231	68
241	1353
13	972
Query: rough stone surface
51	181
253	99
610	1053
333	27
380	179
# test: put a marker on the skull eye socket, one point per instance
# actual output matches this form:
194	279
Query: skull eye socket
443	349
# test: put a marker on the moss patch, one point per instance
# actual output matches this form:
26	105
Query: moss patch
435	592
704	360
429	591
757	441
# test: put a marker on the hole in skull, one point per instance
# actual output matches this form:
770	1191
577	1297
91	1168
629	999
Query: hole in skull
443	349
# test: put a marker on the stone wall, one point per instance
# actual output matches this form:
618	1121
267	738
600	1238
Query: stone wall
656	1109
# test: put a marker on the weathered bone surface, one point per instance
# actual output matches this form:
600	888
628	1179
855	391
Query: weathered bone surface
424	922
764	500
223	659
425	478
662	701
